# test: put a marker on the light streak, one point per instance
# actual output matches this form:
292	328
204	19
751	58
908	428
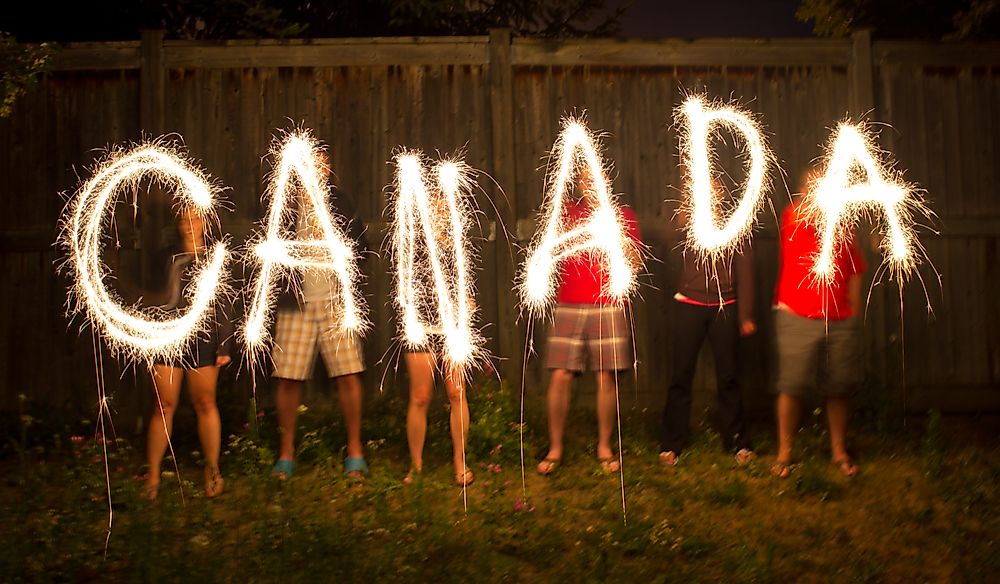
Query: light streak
602	233
858	182
430	249
295	188
707	234
130	330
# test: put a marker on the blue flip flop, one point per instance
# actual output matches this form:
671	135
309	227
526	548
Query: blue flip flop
355	464
283	469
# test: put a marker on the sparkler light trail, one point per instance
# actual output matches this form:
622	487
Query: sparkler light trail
706	233
433	275
295	188
859	180
130	330
603	233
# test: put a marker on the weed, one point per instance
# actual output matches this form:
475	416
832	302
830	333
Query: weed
813	481
732	492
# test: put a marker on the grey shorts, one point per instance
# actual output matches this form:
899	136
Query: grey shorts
582	330
813	352
296	339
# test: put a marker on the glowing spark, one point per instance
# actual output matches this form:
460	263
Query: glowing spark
855	184
602	233
280	250
432	259
705	235
131	330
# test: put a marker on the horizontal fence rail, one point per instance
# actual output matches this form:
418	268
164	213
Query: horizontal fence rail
499	100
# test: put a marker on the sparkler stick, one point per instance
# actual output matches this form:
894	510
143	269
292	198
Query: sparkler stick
130	330
706	233
603	233
433	275
859	180
279	250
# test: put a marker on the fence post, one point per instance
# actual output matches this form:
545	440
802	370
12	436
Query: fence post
505	202
152	90
861	75
138	401
883	316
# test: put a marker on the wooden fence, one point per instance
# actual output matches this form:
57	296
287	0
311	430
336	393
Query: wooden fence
500	101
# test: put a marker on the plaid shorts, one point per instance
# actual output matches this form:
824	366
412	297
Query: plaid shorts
295	344
580	330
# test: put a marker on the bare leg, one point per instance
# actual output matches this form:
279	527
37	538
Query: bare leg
351	395
558	403
167	382
420	367
202	383
455	386
607	408
286	401
789	414
837	413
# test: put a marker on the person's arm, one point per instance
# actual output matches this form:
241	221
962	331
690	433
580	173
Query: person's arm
224	328
745	291
854	279
633	251
854	294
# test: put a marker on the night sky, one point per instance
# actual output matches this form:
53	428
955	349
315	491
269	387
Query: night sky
712	18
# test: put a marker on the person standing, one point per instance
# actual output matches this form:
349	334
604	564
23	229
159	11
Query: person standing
714	300
818	327
200	364
307	318
420	366
589	333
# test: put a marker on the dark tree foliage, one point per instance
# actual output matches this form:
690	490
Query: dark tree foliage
20	66
927	19
103	20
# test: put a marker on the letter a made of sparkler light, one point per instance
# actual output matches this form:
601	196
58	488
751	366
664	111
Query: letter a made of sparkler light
295	190
856	182
602	233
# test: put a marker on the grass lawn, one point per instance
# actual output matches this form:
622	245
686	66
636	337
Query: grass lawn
924	508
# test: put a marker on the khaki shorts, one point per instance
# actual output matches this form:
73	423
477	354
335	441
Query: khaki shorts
295	342
582	330
817	352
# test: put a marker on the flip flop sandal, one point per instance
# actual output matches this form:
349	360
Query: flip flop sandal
744	456
782	470
355	467
464	479
151	492
610	464
283	469
669	458
548	466
846	467
214	485
411	476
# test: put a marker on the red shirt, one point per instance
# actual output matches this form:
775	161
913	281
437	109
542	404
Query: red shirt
583	276
798	289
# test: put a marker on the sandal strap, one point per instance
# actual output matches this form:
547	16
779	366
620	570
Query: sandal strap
355	464
284	467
